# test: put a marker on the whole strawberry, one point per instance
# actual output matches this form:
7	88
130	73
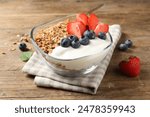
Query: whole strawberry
131	67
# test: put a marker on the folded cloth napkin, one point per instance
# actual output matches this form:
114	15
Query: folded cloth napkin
45	77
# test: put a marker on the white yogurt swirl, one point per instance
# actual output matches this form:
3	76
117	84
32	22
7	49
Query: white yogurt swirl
96	45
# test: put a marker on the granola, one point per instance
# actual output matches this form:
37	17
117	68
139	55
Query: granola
49	38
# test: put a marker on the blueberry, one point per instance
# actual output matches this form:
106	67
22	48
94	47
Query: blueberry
84	40
65	42
123	47
73	38
22	46
102	35
90	34
129	43
75	44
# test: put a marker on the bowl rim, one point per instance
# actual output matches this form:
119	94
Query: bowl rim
53	21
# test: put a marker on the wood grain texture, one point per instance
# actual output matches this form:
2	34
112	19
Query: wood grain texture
19	16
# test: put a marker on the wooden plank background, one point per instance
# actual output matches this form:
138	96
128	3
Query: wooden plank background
19	16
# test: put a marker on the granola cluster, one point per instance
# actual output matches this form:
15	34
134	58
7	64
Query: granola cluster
49	38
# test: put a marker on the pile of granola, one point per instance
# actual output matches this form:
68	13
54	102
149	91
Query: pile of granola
49	38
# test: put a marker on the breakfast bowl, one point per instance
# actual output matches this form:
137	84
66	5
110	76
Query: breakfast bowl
75	62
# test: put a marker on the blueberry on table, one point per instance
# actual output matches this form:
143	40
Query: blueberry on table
84	40
65	42
90	34
129	43
73	38
123	47
102	35
22	46
75	44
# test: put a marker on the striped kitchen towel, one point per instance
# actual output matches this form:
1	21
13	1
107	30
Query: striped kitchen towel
45	77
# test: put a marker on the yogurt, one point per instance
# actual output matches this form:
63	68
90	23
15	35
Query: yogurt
96	45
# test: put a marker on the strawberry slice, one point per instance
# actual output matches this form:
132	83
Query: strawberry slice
82	18
92	21
76	28
101	28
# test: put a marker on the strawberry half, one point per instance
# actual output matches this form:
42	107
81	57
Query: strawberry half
92	21
101	28
76	28
82	18
131	67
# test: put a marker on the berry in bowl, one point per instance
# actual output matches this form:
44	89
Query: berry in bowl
74	45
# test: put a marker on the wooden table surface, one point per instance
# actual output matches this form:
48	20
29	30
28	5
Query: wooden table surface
19	16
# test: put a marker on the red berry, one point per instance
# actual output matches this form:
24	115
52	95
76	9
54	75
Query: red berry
92	21
76	28
101	28
82	18
131	67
